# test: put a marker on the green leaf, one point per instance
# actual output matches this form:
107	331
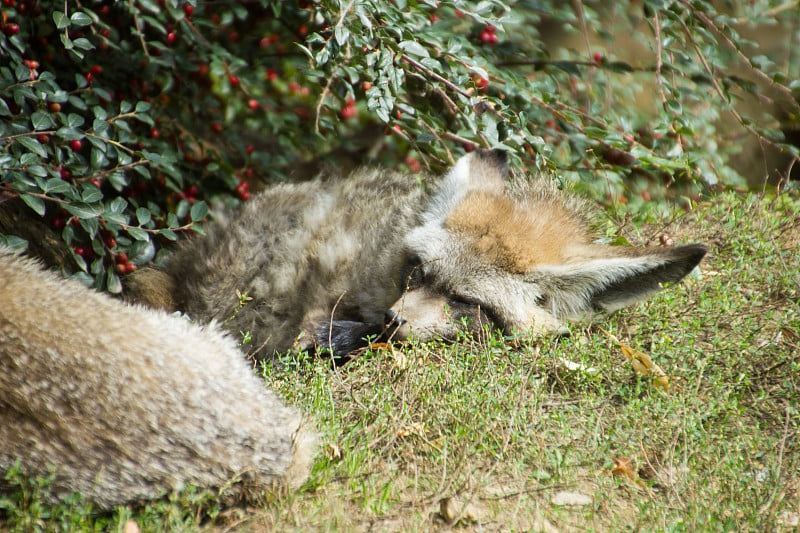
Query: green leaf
113	284
199	211
78	18
56	186
414	48
74	120
83	210
138	234
41	120
61	20
91	193
35	203
83	43
143	215
168	234
32	145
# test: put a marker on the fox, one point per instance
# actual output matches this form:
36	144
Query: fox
123	404
334	263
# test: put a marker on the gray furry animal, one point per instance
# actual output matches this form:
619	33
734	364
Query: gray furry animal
129	404
330	262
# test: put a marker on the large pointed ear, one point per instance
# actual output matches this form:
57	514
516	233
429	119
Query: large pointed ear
613	279
478	171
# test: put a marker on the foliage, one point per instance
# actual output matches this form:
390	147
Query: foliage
122	119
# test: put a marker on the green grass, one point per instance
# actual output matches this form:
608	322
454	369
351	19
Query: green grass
505	425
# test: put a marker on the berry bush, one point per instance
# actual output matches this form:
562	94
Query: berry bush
122	121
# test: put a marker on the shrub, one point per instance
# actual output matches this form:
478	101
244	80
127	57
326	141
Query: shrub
121	120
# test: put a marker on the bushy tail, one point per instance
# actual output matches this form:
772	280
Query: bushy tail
129	404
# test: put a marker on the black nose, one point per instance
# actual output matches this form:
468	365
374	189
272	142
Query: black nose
393	319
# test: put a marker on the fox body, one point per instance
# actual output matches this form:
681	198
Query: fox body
330	262
128	403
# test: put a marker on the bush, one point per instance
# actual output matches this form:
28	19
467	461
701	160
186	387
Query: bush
122	120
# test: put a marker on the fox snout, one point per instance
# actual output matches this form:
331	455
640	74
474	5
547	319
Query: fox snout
425	314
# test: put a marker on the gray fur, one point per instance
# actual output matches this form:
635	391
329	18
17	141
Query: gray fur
305	253
327	260
129	404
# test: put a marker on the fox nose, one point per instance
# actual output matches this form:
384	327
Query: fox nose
392	318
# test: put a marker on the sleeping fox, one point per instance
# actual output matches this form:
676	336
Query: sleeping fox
333	262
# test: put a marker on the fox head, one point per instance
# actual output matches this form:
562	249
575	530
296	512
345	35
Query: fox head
525	261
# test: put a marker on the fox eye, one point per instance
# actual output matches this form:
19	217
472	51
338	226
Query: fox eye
414	273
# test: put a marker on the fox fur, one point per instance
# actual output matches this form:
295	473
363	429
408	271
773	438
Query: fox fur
332	261
128	404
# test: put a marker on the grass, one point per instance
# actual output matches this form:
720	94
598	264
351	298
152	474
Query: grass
503	429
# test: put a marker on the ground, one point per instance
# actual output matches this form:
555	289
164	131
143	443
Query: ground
560	434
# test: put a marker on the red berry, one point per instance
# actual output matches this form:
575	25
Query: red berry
188	9
234	80
11	29
80	250
413	164
271	74
252	104
366	85
480	82
154	133
76	145
598	57
121	268
96	69
469	147
65	173
171	36
89	76
433	18
217	127
55	107
214	18
249	149
347	113
233	36
96	182
44	138
121	258
111	242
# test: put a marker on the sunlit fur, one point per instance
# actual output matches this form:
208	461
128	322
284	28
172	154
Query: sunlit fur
328	262
128	404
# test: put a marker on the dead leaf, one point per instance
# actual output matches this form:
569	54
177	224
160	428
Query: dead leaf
130	527
333	452
459	509
642	363
415	428
623	467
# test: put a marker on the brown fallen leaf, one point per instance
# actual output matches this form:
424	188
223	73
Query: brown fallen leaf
623	467
459	509
642	363
333	452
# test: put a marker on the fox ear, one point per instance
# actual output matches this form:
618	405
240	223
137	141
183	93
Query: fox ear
611	282
479	171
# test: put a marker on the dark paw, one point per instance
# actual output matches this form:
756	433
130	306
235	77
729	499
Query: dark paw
339	338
